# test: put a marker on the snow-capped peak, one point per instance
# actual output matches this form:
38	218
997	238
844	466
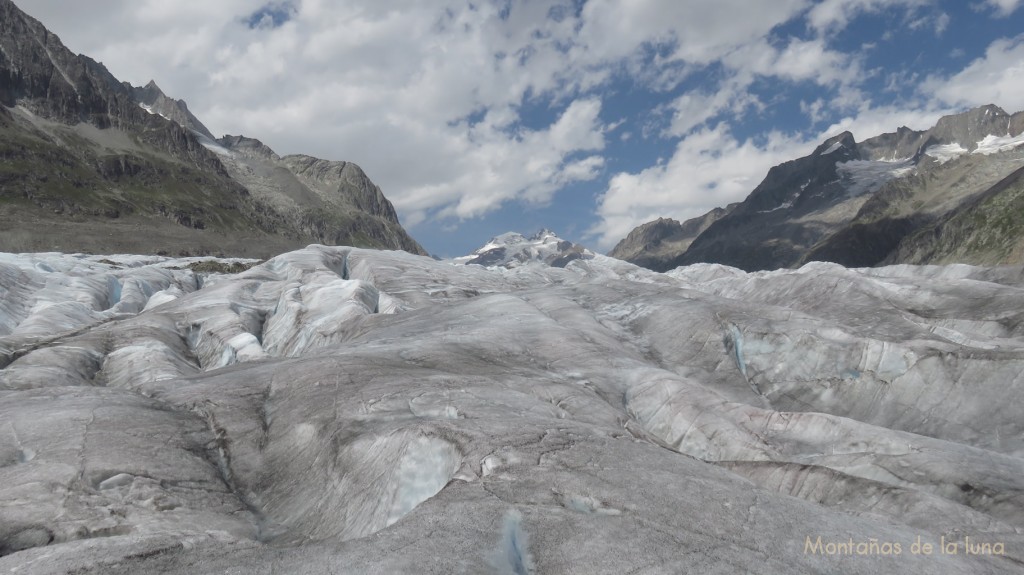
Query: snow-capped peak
513	249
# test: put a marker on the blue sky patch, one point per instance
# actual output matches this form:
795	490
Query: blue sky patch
272	15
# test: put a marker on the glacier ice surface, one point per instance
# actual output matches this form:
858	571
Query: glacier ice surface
338	410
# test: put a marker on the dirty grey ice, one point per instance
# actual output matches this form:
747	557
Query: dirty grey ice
338	410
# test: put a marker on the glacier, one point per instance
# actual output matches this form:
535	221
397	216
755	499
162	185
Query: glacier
341	410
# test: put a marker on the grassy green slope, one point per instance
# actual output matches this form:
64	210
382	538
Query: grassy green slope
988	230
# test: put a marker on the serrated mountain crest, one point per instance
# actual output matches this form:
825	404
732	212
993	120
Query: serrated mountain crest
854	202
92	163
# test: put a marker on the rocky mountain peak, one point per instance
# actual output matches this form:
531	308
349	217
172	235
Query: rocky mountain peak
248	147
853	203
342	182
844	139
543	234
646	236
39	73
153	100
965	129
970	127
513	249
140	160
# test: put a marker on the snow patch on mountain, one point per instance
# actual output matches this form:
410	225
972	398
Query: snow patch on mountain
833	148
783	206
153	111
512	249
213	145
945	152
867	176
995	144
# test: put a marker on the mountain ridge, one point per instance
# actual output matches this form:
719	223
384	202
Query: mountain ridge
512	249
94	164
853	202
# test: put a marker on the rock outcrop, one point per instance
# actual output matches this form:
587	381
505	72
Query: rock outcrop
655	244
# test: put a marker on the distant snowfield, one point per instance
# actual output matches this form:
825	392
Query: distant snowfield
995	144
213	146
987	146
151	111
338	410
861	177
945	152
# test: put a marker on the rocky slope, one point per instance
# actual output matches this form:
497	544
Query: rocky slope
897	223
337	410
88	163
654	244
988	229
854	203
153	100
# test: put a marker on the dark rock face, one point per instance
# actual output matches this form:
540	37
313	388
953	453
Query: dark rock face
986	230
855	203
862	244
156	102
81	145
39	73
248	147
654	244
764	231
349	182
967	129
334	203
39	69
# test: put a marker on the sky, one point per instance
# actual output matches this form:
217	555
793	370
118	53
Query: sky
586	117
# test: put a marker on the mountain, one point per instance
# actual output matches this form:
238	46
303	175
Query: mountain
987	230
654	244
153	100
949	181
855	203
333	202
340	410
512	249
93	164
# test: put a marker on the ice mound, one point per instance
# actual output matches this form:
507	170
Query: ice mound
344	410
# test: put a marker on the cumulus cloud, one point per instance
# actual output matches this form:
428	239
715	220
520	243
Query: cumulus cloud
1003	8
457	108
798	61
996	78
871	120
832	15
391	86
427	97
712	168
491	168
694	32
708	168
695	108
